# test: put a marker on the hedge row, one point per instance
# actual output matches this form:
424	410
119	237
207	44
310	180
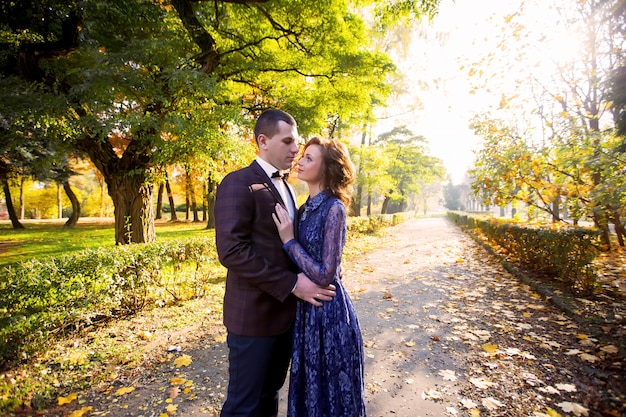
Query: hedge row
42	299
564	254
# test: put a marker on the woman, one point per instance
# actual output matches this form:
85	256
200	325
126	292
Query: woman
327	358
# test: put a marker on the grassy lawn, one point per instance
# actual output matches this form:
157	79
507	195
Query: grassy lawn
43	239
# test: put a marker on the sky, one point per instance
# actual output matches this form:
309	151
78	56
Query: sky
465	27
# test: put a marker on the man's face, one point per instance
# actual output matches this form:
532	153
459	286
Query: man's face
281	149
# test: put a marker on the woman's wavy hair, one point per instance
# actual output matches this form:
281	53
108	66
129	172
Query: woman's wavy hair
337	171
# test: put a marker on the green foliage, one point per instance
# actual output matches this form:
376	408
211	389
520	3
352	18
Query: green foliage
408	165
563	254
369	225
453	196
49	298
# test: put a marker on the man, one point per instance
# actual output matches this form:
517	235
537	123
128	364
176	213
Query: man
259	303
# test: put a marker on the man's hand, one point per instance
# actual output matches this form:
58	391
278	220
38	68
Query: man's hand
312	293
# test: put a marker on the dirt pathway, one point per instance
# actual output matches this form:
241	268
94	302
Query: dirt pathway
447	333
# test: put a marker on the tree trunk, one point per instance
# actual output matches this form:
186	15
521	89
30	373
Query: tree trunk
73	219
355	209
59	202
556	212
126	178
369	204
170	197
102	196
22	204
10	209
187	206
620	231
159	207
385	206
134	217
601	222
210	198
191	202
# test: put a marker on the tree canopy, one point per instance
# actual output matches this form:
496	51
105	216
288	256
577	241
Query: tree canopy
137	84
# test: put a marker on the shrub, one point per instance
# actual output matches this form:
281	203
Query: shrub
564	254
43	299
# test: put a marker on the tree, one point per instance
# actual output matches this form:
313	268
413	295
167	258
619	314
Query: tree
133	75
453	196
557	110
409	165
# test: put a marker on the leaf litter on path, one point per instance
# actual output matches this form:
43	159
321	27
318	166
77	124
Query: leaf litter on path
447	331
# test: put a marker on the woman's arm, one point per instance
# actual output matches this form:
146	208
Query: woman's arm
322	273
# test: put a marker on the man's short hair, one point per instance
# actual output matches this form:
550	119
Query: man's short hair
267	123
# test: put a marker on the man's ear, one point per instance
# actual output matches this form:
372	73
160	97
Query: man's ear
262	141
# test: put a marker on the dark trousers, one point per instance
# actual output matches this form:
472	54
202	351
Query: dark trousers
257	368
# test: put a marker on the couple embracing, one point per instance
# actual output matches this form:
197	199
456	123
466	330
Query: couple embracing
284	298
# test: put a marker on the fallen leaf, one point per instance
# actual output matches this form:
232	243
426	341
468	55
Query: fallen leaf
549	390
67	400
81	412
451	411
482	334
467	403
609	349
448	375
566	387
490	349
552	413
431	394
123	391
171	409
491	403
173	392
410	344
481	383
577	409
589	358
177	381
144	335
78	357
184	360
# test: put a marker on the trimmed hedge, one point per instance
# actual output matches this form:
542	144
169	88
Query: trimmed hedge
564	254
42	299
55	297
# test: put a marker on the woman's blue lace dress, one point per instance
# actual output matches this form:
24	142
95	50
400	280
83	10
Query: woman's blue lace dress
327	361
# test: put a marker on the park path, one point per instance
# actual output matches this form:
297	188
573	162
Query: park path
446	330
401	291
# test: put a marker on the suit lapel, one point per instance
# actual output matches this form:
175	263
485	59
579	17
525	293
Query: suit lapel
264	179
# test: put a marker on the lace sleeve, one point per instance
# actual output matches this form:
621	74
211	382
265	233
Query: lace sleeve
323	273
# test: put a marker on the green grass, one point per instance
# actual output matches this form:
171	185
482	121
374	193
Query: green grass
45	239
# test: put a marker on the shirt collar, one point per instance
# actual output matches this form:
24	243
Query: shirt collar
267	167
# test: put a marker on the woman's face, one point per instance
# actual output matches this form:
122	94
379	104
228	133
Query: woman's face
310	164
